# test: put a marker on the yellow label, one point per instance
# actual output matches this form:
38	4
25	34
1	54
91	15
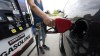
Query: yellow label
13	30
20	28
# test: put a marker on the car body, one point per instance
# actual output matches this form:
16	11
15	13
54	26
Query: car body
83	37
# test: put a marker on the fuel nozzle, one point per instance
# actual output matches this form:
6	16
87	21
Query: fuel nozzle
62	25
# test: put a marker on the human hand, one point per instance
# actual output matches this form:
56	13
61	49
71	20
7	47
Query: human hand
49	22
52	23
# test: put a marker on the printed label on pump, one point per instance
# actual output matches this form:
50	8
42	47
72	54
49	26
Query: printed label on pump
11	26
20	28
16	12
0	18
13	31
27	25
17	45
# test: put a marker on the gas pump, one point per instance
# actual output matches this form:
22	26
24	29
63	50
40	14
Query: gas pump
19	15
13	19
13	31
19	22
10	23
24	12
28	19
7	24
